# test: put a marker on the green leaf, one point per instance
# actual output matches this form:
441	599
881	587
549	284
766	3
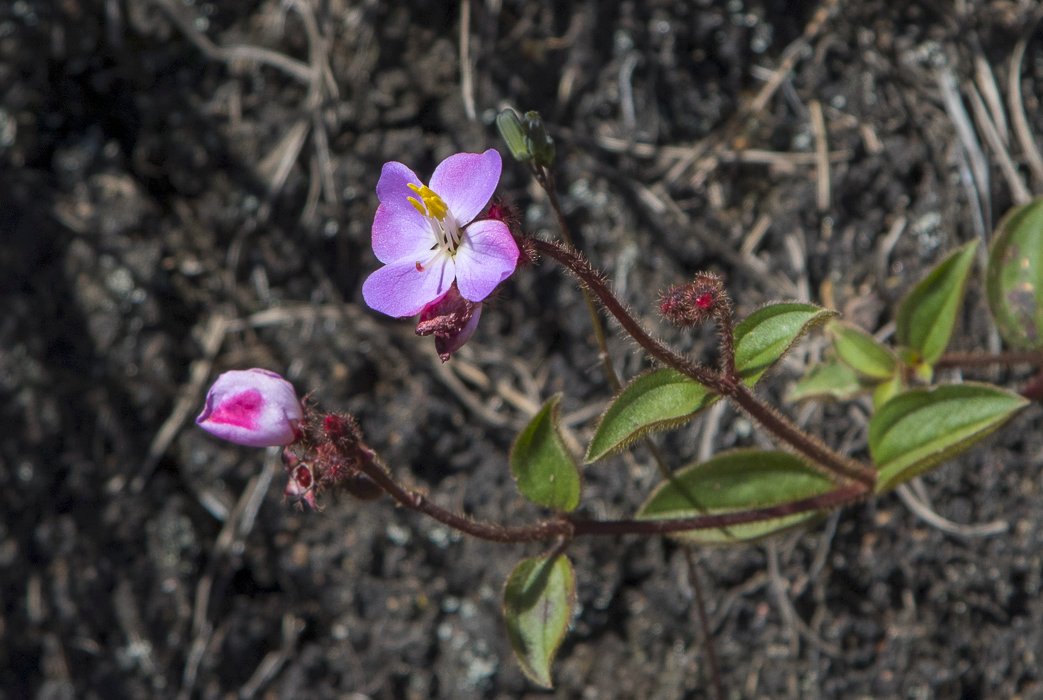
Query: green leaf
1014	278
764	336
538	600
655	400
927	314
864	353
831	379
542	467
732	482
918	429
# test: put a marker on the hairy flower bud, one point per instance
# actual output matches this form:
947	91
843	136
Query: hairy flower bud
514	135
330	453
692	303
252	407
452	320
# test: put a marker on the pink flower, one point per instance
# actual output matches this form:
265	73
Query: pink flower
252	407
429	236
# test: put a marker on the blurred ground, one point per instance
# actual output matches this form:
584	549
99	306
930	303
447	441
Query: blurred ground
187	186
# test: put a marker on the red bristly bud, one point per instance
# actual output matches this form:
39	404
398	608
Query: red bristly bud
334	426
693	303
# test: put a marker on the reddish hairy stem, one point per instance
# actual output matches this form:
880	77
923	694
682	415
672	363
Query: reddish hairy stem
1033	390
414	500
726	334
840	496
801	440
578	265
546	181
568	526
545	178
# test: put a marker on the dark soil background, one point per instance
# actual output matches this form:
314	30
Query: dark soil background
188	186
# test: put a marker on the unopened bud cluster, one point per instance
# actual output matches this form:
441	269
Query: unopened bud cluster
330	452
693	303
526	137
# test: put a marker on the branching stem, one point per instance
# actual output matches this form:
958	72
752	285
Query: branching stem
725	383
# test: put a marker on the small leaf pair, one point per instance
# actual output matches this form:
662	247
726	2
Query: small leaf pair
860	363
924	323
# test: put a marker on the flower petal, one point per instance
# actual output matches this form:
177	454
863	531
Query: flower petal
393	189
487	256
466	182
400	289
397	236
252	407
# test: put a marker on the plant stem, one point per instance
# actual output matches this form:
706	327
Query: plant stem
803	441
575	263
545	178
414	500
840	496
566	526
984	359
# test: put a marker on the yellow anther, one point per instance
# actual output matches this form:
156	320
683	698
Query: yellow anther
432	206
417	205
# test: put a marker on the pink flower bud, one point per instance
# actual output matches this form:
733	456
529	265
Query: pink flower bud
252	407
